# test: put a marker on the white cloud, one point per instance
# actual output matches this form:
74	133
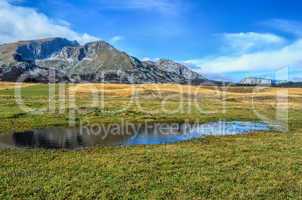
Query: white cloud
146	59
20	23
289	26
116	39
254	52
287	56
251	41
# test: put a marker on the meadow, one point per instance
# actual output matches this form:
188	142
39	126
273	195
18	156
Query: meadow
255	166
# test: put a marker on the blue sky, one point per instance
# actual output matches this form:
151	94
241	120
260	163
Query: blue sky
227	39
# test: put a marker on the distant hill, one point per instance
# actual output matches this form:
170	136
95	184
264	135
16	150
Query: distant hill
252	81
261	81
61	60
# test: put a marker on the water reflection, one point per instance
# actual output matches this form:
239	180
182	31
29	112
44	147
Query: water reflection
125	135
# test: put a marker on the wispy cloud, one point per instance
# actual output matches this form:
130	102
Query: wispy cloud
251	41
289	26
16	1
287	56
20	23
116	39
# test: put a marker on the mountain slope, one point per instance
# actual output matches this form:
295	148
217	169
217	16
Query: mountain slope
93	62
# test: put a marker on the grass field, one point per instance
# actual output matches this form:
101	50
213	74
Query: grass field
257	166
10	85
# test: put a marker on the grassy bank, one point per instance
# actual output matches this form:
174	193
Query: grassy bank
257	166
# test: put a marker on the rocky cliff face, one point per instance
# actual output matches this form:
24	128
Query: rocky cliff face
29	51
57	59
179	69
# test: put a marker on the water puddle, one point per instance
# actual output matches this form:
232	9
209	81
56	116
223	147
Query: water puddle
124	135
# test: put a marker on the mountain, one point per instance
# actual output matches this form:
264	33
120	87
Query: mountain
256	81
61	60
261	81
18	60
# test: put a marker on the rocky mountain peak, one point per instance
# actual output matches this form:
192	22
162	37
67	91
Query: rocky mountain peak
42	49
165	61
99	44
96	61
32	50
48	40
181	69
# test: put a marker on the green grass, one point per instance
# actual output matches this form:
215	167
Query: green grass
36	98
259	166
256	166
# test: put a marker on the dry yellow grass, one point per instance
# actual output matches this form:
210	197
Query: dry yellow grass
245	95
129	90
10	85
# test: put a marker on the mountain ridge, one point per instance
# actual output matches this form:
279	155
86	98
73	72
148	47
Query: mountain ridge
96	61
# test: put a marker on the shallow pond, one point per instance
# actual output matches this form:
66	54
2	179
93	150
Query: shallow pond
124	134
